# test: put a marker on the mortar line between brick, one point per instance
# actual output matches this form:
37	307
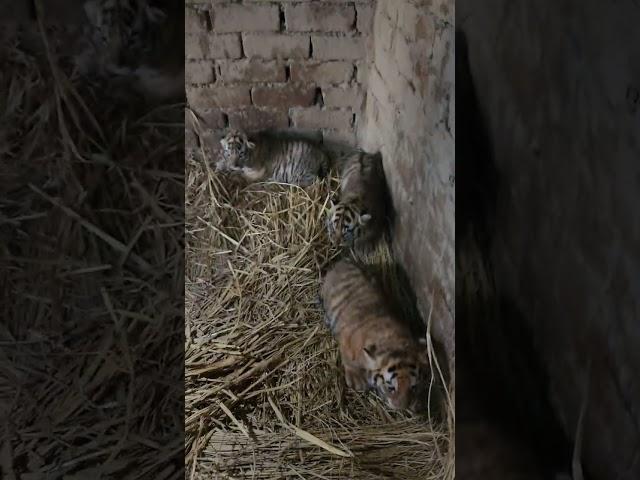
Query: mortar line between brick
242	54
283	20
354	27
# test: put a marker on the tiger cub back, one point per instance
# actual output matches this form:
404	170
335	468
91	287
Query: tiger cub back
359	218
378	350
298	162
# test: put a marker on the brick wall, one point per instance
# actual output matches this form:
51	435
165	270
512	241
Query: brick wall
378	74
409	116
277	64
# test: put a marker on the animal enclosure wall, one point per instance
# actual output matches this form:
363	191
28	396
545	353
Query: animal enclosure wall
325	69
280	64
410	117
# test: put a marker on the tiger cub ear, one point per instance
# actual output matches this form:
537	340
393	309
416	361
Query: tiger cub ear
251	145
369	355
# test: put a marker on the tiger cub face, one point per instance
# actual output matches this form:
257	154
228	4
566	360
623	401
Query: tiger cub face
395	374
236	148
345	222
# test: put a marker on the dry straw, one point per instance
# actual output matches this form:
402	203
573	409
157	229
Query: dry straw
265	397
91	274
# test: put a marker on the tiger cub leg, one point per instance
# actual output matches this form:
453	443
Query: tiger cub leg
356	378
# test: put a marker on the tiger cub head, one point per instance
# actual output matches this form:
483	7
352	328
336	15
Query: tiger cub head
235	150
345	222
395	374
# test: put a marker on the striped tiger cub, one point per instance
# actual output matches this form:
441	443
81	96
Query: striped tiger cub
296	162
358	219
377	350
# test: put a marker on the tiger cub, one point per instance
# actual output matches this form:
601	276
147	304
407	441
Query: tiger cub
288	161
378	351
358	219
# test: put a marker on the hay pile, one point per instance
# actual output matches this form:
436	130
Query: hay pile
91	276
264	392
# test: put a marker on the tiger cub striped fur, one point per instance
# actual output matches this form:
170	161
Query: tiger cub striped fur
358	219
288	161
377	350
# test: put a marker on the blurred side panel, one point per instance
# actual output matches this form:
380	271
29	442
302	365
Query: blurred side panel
91	240
548	289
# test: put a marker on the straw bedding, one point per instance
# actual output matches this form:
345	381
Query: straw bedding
91	276
265	396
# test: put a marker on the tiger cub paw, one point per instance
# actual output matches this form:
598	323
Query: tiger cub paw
356	379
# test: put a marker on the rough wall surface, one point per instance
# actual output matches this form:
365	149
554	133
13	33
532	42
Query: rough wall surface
317	67
277	64
410	118
572	270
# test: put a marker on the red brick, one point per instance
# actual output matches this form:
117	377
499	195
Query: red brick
258	119
276	46
322	73
245	18
338	48
252	71
199	72
194	21
319	17
218	97
209	140
196	46
321	118
342	97
365	18
284	96
224	46
211	118
341	137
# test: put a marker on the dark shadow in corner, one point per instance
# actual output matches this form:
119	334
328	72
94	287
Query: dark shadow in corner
500	378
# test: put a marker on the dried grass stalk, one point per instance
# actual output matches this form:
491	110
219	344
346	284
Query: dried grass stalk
91	276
